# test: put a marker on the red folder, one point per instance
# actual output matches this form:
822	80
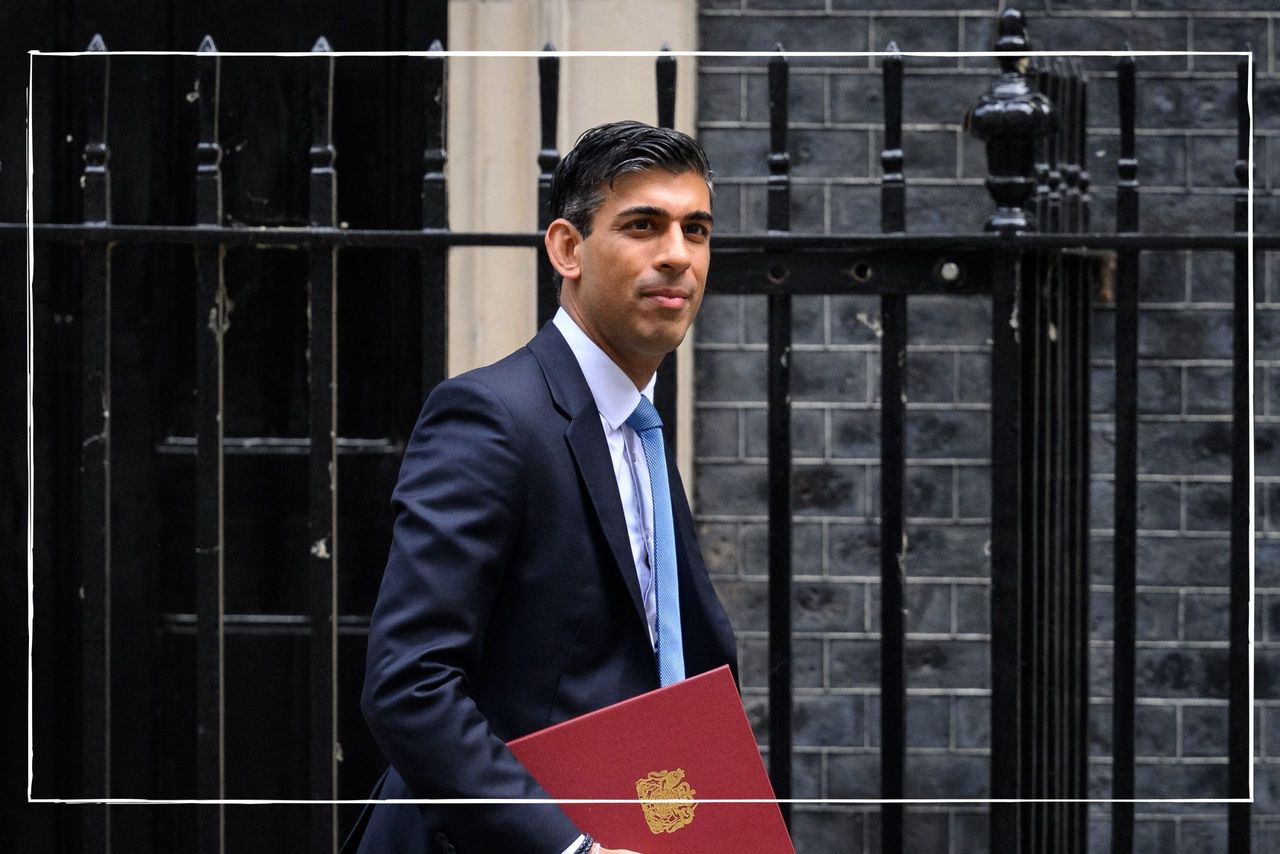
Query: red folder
682	744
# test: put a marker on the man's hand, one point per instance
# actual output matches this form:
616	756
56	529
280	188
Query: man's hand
600	849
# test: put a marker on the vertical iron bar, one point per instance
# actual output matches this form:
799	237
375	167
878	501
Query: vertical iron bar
1031	322
1036	585
1062	425
665	76
1082	143
779	397
1033	669
1069	150
1074	361
1126	474
548	158
665	391
435	214
1008	729
1239	766
1010	117
211	324
1041	204
1055	171
1081	408
322	377
893	541
95	455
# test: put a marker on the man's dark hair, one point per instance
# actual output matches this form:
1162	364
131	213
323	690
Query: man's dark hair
603	153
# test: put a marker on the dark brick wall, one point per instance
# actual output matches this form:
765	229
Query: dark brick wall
1186	147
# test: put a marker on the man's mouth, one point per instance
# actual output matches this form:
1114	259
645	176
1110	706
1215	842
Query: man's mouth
674	298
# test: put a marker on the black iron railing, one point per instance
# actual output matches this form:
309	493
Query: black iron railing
1039	264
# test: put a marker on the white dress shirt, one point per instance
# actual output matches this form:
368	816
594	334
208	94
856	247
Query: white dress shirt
616	397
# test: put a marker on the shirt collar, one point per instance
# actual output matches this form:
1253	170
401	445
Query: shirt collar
615	394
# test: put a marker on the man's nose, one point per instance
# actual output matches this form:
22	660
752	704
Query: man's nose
673	251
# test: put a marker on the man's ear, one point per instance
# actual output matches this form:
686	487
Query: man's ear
563	242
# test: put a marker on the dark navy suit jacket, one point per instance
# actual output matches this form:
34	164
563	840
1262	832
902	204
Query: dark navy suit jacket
510	602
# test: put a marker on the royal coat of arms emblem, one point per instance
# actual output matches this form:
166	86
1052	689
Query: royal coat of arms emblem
656	792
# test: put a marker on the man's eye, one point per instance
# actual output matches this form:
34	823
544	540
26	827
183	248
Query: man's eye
640	224
697	229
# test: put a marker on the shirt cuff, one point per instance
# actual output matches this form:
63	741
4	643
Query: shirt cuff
573	846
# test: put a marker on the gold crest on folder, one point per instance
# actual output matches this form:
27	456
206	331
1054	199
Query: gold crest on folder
661	786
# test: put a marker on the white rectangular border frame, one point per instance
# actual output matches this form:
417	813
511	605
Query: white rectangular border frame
30	166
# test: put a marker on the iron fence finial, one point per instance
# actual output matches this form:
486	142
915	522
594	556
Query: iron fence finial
1010	117
321	46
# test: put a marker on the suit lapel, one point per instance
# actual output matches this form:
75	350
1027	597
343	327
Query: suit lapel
590	450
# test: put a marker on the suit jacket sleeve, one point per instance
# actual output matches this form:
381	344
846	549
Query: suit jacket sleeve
458	506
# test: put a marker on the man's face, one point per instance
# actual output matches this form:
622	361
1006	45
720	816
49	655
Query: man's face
642	271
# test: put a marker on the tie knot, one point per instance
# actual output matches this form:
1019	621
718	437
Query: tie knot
645	417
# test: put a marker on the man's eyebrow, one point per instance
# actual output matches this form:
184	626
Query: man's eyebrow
653	210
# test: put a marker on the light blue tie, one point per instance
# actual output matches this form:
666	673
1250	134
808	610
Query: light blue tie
648	426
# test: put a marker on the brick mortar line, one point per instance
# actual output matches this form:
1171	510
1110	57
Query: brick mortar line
976	72
842	462
986	14
870	581
1096	132
1181	702
753	347
1144	361
868	691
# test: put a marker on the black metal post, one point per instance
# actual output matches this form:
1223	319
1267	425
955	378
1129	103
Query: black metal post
665	76
1239	711
1081	412
779	397
95	456
1009	117
1035	671
211	324
322	377
1126	477
893	538
548	158
665	392
435	215
1076	407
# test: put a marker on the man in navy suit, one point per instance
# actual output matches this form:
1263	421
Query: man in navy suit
527	582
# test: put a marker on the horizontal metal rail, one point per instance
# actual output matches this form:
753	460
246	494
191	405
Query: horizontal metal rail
289	237
280	446
263	624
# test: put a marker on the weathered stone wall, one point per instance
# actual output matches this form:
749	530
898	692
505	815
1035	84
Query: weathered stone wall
1186	117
